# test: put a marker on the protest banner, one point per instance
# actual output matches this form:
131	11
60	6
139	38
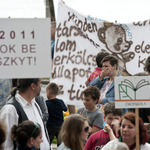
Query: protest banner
133	92
80	37
25	48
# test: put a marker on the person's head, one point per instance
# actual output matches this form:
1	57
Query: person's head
2	133
100	56
110	62
24	84
74	132
53	29
14	82
115	145
27	133
111	114
128	130
91	97
147	65
52	90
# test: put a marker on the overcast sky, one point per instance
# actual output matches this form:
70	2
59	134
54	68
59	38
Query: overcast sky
121	10
111	10
22	8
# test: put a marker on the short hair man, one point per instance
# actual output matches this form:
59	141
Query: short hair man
105	81
98	69
23	107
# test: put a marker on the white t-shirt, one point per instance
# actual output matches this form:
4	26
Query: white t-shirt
146	146
9	116
104	89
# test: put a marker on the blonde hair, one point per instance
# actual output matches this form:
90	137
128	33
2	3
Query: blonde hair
115	145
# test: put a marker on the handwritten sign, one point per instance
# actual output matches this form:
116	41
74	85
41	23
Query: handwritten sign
132	92
78	40
25	48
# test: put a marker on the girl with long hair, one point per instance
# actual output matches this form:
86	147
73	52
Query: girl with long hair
74	133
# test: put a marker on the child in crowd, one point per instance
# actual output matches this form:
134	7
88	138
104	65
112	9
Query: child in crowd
102	137
55	108
94	115
28	135
74	133
98	69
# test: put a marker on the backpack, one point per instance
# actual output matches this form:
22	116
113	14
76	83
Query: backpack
22	115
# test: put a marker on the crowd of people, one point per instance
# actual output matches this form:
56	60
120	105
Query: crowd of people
28	122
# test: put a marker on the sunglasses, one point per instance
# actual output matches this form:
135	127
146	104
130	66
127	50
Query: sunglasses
86	129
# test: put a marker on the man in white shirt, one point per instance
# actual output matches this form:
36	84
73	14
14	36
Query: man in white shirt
24	94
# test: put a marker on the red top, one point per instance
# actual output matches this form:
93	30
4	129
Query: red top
97	140
94	74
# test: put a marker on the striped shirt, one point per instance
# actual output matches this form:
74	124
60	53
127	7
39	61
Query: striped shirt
94	74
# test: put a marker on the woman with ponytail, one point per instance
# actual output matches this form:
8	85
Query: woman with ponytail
27	135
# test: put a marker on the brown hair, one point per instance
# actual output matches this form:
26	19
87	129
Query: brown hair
14	82
23	85
110	108
70	132
93	91
23	132
112	59
143	134
147	64
100	56
53	88
2	133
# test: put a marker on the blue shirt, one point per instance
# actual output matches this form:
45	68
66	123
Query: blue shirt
55	109
63	147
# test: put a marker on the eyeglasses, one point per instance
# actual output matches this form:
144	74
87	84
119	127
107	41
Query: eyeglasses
36	127
86	129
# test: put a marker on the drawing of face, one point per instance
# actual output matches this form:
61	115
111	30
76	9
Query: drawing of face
115	39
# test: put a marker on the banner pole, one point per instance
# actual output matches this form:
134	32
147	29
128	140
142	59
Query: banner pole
137	127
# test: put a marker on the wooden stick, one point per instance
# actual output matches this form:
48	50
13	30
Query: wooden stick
137	128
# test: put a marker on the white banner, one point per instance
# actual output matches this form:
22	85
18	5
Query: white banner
25	48
78	40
